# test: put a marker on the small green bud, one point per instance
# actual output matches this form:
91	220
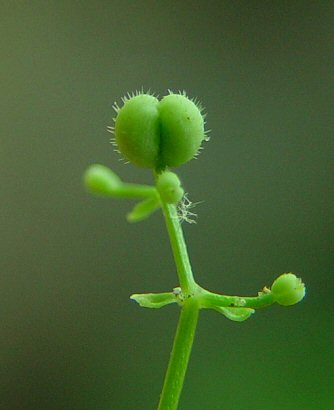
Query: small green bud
287	289
101	180
158	134
169	187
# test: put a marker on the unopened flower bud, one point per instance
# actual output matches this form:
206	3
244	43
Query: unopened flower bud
101	180
169	187
287	289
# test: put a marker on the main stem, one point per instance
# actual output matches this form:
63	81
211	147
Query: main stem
186	328
179	358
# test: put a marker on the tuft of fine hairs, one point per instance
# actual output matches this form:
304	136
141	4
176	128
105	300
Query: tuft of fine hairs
184	212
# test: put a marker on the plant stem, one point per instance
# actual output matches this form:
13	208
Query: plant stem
186	279
179	358
186	328
126	190
211	300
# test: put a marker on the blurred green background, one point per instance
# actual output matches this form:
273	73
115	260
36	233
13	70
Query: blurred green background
70	337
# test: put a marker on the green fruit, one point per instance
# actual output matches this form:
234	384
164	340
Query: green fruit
182	129
159	134
137	130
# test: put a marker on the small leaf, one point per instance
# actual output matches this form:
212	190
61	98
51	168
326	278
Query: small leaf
154	300
236	314
143	210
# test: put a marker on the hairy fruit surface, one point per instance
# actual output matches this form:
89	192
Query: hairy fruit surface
158	134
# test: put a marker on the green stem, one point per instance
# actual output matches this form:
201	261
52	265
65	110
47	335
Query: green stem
186	279
185	333
211	300
126	190
179	358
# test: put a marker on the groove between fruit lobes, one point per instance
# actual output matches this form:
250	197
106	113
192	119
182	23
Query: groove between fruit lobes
159	134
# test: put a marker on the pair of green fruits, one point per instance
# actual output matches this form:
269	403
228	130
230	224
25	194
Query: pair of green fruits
159	134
